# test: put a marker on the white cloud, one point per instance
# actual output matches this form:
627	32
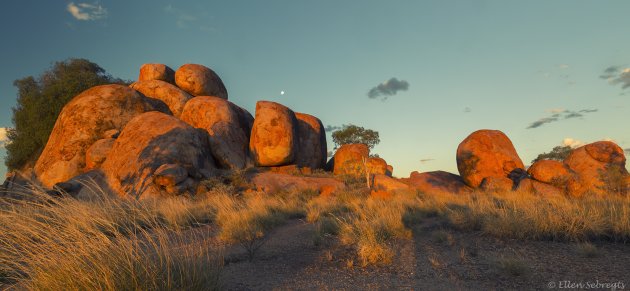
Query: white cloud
563	66
86	11
573	143
3	136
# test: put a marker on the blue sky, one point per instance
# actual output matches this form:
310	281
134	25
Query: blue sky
467	65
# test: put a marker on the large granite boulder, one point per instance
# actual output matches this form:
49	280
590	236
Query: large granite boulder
274	137
600	167
349	159
135	166
486	153
83	121
199	80
223	121
312	142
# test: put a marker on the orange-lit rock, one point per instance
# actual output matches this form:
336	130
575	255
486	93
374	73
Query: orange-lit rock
549	171
349	159
199	80
486	153
382	182
142	148
156	72
495	184
376	165
273	182
97	152
229	141
83	121
600	167
437	182
274	140
172	96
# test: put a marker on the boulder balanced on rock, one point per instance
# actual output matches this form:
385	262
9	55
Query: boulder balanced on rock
486	153
311	142
82	122
150	141
172	96
199	80
156	72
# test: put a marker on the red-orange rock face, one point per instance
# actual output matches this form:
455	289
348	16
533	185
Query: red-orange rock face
548	171
83	121
538	188
274	139
376	165
437	182
599	167
486	153
172	96
156	72
273	182
150	141
388	184
97	152
493	184
229	141
348	159
312	142
199	80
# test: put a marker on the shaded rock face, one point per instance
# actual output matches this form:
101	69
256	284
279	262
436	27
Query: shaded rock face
156	72
312	142
438	182
172	96
486	153
385	183
97	152
273	182
83	121
142	148
348	159
600	168
274	138
199	80
222	120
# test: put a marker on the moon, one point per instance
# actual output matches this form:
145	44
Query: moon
281	92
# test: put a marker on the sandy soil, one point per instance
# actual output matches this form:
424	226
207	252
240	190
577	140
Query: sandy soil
436	258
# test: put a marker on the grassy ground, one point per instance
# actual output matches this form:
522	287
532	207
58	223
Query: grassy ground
62	243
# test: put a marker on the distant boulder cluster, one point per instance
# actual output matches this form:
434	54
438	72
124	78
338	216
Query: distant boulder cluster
487	160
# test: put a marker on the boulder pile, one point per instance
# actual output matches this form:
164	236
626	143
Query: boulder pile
171	129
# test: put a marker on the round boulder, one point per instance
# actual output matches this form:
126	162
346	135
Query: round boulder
156	72
172	96
600	167
437	182
83	121
150	141
376	165
486	153
349	159
312	142
97	152
220	118
199	80
274	138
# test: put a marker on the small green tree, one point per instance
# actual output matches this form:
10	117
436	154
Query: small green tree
39	102
558	153
351	133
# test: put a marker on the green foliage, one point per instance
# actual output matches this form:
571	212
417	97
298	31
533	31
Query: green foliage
355	134
558	153
39	102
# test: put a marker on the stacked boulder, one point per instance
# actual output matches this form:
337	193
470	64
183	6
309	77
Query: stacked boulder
164	133
355	160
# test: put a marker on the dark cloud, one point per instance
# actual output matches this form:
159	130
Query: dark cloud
426	160
557	116
330	128
388	88
617	76
467	110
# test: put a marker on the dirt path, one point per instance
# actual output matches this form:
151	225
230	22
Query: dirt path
435	259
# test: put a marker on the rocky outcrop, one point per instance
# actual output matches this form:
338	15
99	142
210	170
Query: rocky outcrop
494	184
223	121
349	159
600	168
156	72
311	142
83	121
274	139
132	165
549	171
199	80
172	96
376	166
386	183
273	182
97	152
437	182
538	188
486	153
